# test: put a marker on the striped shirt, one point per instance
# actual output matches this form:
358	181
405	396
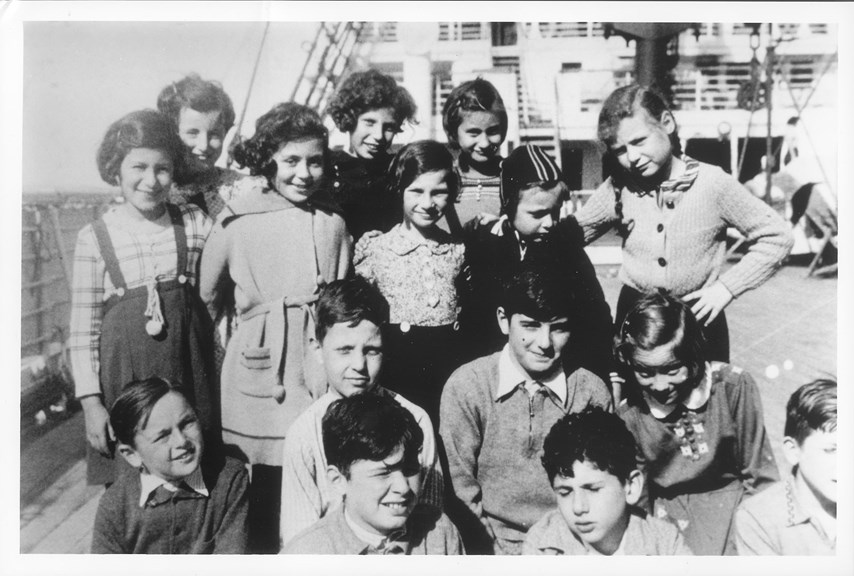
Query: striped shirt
140	256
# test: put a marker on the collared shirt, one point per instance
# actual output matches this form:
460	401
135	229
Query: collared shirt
149	483
510	376
416	275
776	522
644	536
377	542
694	401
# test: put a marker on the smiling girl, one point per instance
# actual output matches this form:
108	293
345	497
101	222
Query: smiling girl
135	312
370	107
416	266
699	425
202	114
271	250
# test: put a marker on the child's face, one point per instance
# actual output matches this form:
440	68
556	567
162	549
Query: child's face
352	356
299	168
170	446
425	200
537	212
594	504
815	458
642	144
380	495
374	132
145	177
536	345
202	134
661	375
479	135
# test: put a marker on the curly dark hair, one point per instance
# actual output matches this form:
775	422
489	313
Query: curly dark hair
285	122
417	158
369	90
594	436
476	95
139	129
662	320
197	94
369	426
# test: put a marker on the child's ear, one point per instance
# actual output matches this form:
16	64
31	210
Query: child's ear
634	487
337	480
503	321
668	122
791	451
317	348
130	454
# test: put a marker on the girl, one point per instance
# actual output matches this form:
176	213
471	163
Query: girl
271	249
698	424
135	312
673	213
370	107
416	266
202	115
475	122
183	501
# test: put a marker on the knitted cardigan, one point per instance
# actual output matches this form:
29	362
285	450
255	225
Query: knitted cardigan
678	239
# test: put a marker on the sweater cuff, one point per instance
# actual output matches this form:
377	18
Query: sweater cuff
86	384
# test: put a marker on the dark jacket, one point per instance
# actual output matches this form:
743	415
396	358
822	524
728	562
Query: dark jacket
360	187
493	256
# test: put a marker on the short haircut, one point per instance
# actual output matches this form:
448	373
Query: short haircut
129	413
811	408
594	436
368	426
197	94
284	123
350	300
625	102
662	320
365	91
417	158
540	292
140	129
476	95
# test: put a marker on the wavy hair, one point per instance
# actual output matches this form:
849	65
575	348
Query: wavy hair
369	90
476	95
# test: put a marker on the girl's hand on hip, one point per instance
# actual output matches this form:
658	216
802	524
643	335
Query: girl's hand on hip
99	433
710	302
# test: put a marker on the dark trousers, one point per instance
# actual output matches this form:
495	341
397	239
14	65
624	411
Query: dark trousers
265	502
716	333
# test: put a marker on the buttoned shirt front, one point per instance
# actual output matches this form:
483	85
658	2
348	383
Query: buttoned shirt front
511	375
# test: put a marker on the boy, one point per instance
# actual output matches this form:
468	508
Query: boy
496	410
349	315
372	445
798	515
529	230
590	459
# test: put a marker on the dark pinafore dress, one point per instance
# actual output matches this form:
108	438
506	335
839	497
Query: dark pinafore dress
181	353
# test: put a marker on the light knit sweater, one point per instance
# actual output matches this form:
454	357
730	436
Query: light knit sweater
494	446
678	240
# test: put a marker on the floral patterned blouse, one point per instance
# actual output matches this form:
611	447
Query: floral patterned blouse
417	276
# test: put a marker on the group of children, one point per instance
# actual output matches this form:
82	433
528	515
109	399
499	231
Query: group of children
363	352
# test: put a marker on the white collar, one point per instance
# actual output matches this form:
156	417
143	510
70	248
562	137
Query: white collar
149	483
695	400
510	375
365	536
